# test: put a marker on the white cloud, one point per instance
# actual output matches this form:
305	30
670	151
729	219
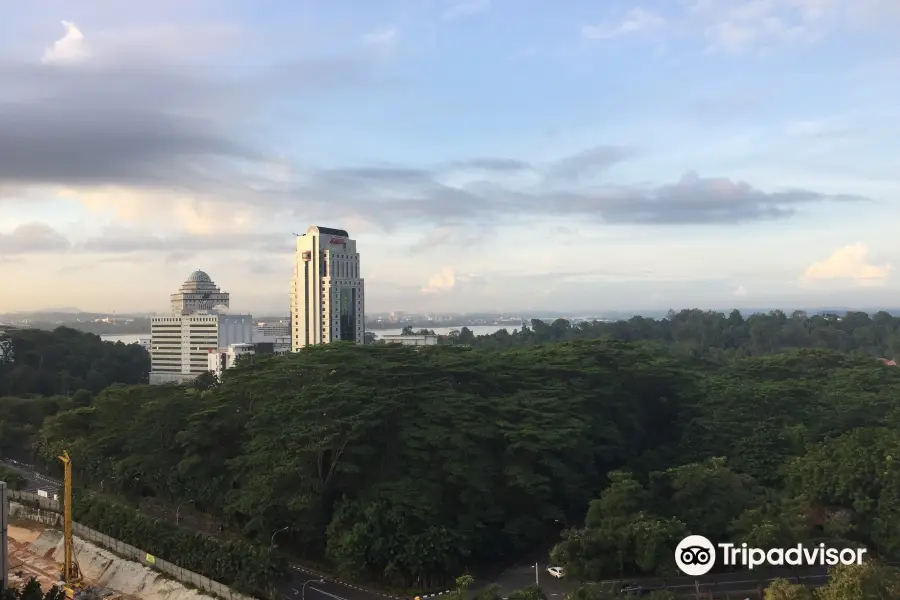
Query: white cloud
70	48
441	282
466	9
848	263
174	212
637	21
740	291
381	37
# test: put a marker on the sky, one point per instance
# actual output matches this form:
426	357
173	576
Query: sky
485	154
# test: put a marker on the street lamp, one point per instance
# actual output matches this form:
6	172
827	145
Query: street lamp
178	510
272	541
307	582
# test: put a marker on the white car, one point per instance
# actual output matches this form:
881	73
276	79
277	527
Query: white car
557	572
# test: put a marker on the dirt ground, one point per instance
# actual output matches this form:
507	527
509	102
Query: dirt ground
23	565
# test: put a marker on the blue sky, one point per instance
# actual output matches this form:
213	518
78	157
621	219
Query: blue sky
485	154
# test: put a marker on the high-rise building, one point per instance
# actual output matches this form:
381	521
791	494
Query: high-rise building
198	293
180	344
327	290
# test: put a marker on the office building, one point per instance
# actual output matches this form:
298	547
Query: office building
180	344
273	329
198	293
327	289
410	340
226	358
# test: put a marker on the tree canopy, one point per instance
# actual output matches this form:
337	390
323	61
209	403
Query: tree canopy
411	465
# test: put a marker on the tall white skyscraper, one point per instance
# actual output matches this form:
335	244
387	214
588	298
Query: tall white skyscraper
327	291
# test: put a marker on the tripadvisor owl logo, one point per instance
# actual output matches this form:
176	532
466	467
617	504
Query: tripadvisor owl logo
695	555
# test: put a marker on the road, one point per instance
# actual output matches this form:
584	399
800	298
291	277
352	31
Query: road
515	578
747	582
34	479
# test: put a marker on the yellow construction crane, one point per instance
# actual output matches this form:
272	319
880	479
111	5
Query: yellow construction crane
71	573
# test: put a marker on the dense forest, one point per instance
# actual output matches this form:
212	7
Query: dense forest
409	466
717	336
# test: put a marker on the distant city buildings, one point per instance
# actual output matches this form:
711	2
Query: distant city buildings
198	293
327	289
226	358
410	340
276	329
180	344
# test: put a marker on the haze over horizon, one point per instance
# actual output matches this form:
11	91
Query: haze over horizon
620	156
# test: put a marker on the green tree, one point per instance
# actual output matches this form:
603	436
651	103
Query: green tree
31	591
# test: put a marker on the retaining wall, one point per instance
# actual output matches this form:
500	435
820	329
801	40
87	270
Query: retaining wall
48	517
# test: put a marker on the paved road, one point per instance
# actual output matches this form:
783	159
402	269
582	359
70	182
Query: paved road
515	578
34	479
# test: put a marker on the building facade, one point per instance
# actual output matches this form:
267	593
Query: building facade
274	329
410	340
327	289
180	344
198	293
226	358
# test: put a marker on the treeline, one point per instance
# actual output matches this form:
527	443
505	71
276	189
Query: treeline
401	466
65	361
246	567
777	451
717	336
410	465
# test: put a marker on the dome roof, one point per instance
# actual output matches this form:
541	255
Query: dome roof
199	277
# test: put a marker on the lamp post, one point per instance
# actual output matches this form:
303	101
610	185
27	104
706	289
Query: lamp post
272	541
178	510
307	582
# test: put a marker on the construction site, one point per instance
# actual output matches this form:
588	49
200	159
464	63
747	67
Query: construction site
53	556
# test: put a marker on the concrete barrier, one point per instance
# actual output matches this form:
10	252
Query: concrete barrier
124	550
36	500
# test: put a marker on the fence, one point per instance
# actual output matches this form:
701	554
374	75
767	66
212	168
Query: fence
33	511
32	499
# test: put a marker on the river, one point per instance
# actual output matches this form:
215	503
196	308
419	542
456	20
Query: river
133	338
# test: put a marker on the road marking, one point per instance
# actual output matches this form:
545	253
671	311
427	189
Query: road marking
335	596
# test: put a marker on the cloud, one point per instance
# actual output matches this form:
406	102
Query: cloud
32	238
440	282
735	25
40	238
740	291
144	120
587	163
738	25
127	241
500	165
819	129
850	263
157	141
69	48
449	235
637	21
465	9
383	38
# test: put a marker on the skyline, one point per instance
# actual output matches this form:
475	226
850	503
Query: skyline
629	156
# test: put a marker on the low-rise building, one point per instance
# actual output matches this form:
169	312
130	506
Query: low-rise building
180	344
273	329
226	358
410	340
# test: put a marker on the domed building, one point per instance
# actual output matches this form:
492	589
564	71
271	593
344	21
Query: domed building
199	292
